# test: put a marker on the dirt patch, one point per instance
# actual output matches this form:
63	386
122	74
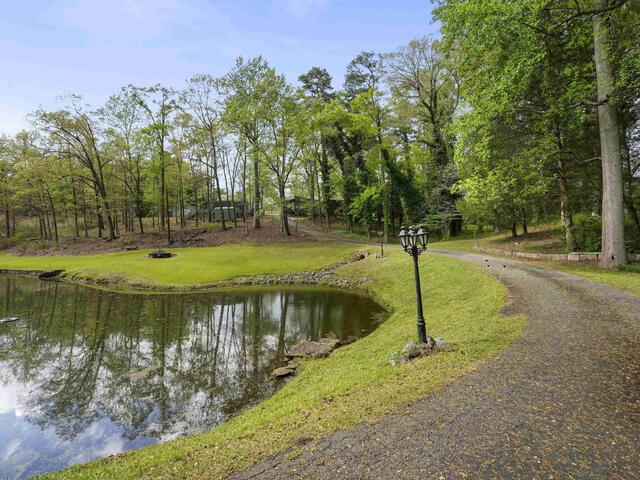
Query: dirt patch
543	241
201	236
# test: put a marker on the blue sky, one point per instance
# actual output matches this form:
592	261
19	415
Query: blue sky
93	47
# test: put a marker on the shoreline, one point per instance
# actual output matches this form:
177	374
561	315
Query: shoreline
120	283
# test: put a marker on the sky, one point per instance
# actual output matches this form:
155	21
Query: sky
49	48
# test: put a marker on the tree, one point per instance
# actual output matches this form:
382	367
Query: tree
75	134
122	115
285	130
159	105
6	174
613	244
508	67
245	86
202	96
316	88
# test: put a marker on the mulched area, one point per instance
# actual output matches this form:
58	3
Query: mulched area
212	236
562	402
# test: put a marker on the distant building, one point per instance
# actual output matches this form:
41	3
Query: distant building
230	211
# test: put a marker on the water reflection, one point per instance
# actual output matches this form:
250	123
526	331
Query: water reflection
86	373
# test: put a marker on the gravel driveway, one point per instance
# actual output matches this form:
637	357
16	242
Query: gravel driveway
562	402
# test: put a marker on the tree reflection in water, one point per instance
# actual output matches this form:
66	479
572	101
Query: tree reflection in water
88	373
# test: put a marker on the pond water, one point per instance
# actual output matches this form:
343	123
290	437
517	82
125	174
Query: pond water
87	373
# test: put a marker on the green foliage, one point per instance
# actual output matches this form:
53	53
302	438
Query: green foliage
633	267
413	205
588	231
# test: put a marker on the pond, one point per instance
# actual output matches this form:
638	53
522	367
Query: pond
87	373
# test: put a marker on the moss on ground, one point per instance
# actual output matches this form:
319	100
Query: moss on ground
356	384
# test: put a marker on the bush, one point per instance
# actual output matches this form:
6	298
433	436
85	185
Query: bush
633	267
588	232
632	240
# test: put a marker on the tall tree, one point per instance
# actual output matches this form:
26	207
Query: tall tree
159	105
317	90
203	97
246	89
75	134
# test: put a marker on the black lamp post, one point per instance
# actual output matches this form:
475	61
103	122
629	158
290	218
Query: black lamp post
414	242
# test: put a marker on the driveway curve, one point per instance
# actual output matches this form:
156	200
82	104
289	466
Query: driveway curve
562	402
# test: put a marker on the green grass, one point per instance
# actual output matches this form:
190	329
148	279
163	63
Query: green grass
190	266
628	280
356	384
624	280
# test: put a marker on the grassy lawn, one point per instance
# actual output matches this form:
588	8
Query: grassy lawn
356	384
190	266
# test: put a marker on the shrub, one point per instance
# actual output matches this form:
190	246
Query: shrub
633	267
588	232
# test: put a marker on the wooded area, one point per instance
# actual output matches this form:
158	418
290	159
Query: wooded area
524	111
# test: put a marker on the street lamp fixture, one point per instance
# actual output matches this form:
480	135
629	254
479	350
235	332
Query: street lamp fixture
414	242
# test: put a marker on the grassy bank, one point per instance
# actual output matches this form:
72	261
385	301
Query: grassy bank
356	384
190	266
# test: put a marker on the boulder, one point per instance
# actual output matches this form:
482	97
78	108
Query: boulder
442	345
306	348
283	372
332	342
413	350
410	351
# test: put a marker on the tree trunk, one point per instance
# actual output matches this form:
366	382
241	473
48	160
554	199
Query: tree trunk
48	227
325	173
244	191
99	216
7	215
217	179
53	216
386	194
166	209
565	206
41	225
613	246
283	209
139	195
112	231
525	230
209	200
84	216
514	231
256	192
75	210
163	188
